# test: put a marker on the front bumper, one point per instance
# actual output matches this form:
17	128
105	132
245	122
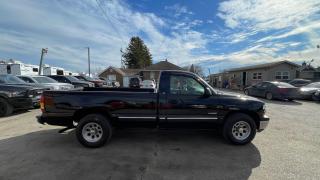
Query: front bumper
263	123
21	103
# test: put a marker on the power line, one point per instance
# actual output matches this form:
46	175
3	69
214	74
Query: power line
109	20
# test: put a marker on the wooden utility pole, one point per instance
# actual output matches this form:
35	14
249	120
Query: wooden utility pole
89	60
43	51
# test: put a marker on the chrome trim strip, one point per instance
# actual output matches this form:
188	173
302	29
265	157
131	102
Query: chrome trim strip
132	117
192	118
212	112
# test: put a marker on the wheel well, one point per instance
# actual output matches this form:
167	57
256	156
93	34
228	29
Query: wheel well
97	110
253	115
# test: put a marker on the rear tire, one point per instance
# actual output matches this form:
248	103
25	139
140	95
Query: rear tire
94	130
5	108
269	96
239	129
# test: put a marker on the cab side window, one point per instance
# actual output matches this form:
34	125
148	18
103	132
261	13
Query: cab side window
184	85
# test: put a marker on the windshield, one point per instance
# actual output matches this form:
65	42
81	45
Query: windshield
43	79
282	84
10	79
314	85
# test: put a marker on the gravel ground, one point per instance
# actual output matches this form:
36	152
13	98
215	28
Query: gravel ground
288	149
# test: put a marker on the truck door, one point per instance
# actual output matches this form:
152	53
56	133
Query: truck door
185	104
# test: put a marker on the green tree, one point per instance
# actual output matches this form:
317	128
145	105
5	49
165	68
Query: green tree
137	54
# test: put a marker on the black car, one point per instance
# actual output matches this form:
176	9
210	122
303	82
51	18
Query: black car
12	80
13	97
309	91
273	90
299	82
182	100
96	82
316	96
71	80
134	82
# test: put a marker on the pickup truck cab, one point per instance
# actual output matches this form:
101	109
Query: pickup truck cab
182	100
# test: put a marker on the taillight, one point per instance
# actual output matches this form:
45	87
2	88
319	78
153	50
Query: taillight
42	103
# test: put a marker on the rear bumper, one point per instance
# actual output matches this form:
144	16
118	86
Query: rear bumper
263	123
56	121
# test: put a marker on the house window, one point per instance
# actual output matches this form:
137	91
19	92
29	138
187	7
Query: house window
257	76
282	75
35	69
112	77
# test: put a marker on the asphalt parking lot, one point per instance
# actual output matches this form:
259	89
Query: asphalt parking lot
288	149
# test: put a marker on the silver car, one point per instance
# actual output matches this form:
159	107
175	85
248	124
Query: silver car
47	82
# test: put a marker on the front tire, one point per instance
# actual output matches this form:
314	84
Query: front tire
94	130
239	129
246	92
5	108
314	97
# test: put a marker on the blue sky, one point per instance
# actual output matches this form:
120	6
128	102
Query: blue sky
214	34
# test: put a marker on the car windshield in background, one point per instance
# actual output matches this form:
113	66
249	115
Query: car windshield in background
10	79
314	85
90	78
71	78
43	79
282	85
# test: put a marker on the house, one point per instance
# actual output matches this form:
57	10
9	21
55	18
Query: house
123	75
238	78
153	71
306	71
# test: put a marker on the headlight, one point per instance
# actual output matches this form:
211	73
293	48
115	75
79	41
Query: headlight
17	94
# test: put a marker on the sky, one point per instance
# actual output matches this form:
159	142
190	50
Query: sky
216	35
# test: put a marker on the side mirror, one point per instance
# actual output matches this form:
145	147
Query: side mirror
207	92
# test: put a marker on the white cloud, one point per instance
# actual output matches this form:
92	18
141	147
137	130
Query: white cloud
178	10
266	15
66	31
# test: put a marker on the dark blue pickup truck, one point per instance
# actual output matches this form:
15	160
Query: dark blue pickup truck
182	100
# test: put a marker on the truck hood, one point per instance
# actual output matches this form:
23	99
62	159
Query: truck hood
238	96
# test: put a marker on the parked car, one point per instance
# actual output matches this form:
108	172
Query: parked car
134	82
47	82
309	91
14	97
71	80
182	100
148	84
273	90
96	82
9	79
299	82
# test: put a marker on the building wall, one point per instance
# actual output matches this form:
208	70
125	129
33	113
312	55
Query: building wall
111	71
147	75
234	80
283	67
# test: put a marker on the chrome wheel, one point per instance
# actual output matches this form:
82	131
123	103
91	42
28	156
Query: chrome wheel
269	96
92	132
241	130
